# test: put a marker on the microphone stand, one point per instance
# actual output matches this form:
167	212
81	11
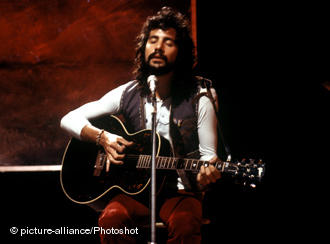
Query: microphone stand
153	171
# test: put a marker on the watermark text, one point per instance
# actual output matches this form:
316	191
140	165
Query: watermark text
72	231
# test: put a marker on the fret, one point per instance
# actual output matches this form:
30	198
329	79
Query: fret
190	163
167	163
148	160
193	165
157	162
160	165
196	166
138	165
170	164
173	163
142	161
168	160
145	161
164	163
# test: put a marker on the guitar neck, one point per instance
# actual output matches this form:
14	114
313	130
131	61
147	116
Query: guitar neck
169	163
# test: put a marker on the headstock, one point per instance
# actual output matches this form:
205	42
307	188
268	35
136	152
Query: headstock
249	171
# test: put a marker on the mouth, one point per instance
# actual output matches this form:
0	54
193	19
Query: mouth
157	57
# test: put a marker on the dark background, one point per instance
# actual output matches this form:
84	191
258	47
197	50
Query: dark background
271	67
269	64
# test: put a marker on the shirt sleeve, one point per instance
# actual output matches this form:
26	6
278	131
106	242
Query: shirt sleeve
76	120
207	127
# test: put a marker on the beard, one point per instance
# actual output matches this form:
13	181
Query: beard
159	70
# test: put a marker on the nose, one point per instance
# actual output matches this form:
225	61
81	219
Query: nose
159	47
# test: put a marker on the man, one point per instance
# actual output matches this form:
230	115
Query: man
188	121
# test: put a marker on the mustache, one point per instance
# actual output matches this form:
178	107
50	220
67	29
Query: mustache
159	55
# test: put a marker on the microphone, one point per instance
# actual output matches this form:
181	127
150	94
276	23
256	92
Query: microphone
152	80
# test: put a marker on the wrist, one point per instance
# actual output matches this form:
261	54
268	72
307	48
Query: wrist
98	137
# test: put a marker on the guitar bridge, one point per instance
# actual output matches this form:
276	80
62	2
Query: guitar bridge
99	163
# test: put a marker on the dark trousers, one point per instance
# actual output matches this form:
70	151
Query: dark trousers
123	215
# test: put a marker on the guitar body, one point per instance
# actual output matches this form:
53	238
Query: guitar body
84	180
83	184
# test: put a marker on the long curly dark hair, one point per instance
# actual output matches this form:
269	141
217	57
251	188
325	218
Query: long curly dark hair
183	84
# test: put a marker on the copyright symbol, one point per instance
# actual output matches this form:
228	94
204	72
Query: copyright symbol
13	230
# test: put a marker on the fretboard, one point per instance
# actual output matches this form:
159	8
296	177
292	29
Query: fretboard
170	163
247	170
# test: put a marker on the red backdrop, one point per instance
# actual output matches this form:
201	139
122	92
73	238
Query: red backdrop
56	55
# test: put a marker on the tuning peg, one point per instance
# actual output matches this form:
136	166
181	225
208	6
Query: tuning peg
252	185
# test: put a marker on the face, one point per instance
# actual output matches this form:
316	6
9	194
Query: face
161	50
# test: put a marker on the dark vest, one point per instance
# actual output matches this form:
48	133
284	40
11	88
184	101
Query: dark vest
183	120
183	126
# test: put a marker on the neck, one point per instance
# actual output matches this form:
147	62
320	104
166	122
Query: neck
164	85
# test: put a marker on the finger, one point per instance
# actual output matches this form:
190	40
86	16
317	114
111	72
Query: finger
209	175
202	170
117	162
114	156
214	160
107	165
201	180
199	177
216	173
202	177
124	141
117	147
207	180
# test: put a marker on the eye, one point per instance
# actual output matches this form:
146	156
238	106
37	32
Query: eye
169	42
152	39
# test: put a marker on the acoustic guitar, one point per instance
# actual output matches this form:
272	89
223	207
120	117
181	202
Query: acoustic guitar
84	179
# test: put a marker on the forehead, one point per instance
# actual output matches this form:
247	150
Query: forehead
168	33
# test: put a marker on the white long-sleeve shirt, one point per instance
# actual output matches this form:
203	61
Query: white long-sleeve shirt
76	120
